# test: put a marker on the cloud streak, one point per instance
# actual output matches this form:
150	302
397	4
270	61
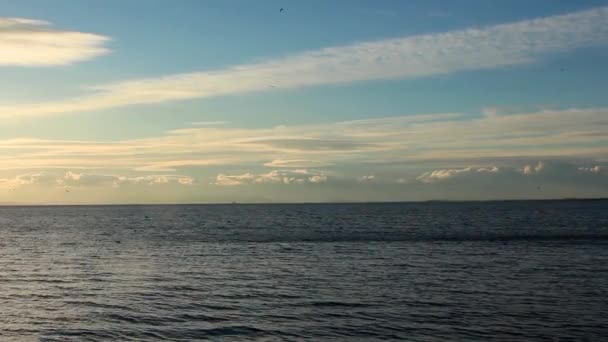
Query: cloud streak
26	42
419	138
558	172
398	58
75	179
273	177
445	174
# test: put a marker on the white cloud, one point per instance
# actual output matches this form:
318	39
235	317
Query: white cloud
558	171
277	176
366	178
421	139
26	42
530	170
156	180
398	58
82	179
318	179
272	177
170	165
296	163
310	144
595	169
444	174
41	178
185	180
231	180
74	179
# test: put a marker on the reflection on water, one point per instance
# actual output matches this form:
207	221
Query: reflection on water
422	272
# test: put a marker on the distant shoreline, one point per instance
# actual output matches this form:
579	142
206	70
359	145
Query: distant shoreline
9	205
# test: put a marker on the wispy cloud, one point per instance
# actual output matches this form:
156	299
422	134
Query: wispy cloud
296	163
273	177
445	174
75	179
439	138
398	58
593	169
560	172
366	178
26	42
530	169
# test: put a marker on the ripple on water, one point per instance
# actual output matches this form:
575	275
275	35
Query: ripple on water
419	272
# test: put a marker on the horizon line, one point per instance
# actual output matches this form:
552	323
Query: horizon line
305	203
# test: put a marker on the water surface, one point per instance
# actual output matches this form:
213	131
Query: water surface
513	271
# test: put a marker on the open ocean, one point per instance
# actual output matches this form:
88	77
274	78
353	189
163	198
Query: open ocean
508	271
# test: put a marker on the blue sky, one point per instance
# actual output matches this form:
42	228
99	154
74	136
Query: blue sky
206	101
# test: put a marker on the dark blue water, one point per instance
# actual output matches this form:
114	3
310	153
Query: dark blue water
512	271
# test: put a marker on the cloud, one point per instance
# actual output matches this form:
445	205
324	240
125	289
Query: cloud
231	180
529	169
170	165
82	179
561	171
556	179
366	178
157	180
74	179
398	58
442	139
557	171
41	178
318	179
445	174
311	144
185	180
272	177
276	176
595	169
26	42
296	163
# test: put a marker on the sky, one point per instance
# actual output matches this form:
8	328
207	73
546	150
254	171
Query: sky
199	101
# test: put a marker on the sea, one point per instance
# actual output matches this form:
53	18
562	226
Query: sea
433	271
